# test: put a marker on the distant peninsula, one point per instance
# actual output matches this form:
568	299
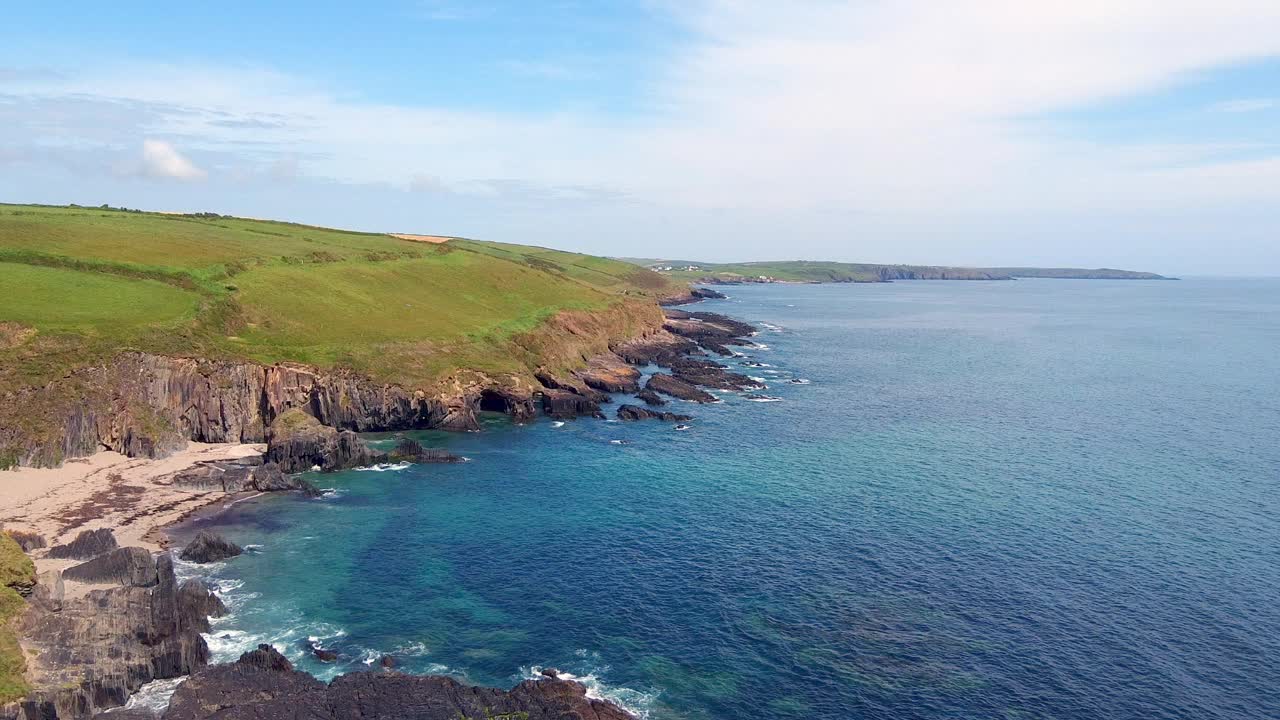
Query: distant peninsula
807	271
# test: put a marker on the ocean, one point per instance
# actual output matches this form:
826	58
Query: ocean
1018	500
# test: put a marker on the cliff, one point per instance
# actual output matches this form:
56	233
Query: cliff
146	405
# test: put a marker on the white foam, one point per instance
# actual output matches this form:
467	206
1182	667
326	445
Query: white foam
558	423
799	381
636	702
765	398
385	467
154	696
757	379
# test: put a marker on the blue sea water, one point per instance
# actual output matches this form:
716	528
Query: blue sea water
1021	500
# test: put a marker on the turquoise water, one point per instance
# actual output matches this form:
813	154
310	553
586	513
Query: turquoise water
1035	499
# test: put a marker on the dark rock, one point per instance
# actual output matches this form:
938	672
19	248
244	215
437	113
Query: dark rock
707	294
297	442
325	656
208	547
87	544
97	649
131	566
572	384
269	478
511	401
265	658
409	450
650	397
718	378
550	672
265	688
635	412
387	662
677	388
566	404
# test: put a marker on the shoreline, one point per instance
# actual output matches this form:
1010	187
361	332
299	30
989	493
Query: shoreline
135	498
140	502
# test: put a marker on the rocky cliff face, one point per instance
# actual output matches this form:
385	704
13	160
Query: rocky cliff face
145	405
90	653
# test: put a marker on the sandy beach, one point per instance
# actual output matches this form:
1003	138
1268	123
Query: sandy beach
134	497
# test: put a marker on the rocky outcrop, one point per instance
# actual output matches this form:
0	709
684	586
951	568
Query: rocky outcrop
677	388
566	404
94	651
130	566
718	378
635	412
88	544
297	442
248	474
209	547
610	374
707	294
263	686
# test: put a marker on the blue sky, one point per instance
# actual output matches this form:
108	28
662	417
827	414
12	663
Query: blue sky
983	132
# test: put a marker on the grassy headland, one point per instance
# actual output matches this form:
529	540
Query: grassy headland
79	284
822	272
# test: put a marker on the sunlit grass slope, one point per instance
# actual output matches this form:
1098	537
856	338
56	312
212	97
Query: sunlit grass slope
79	284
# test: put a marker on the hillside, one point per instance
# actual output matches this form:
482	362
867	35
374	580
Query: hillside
79	286
818	271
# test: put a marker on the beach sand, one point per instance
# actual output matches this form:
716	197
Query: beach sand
134	497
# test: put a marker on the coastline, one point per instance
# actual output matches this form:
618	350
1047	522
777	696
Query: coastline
140	498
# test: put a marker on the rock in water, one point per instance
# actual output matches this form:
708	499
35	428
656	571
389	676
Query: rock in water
635	412
650	397
88	544
208	547
408	450
297	442
263	686
675	387
566	404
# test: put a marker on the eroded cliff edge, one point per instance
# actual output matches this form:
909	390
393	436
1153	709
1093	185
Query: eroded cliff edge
148	405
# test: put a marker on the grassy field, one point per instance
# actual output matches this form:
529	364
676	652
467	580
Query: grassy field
78	284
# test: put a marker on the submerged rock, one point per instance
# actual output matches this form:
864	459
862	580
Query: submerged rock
262	685
88	544
635	412
208	547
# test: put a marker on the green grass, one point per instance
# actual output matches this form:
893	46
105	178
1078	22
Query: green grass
79	284
62	300
15	569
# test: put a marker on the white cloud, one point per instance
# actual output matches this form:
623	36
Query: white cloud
160	159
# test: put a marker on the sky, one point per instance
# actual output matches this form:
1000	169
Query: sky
1140	135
